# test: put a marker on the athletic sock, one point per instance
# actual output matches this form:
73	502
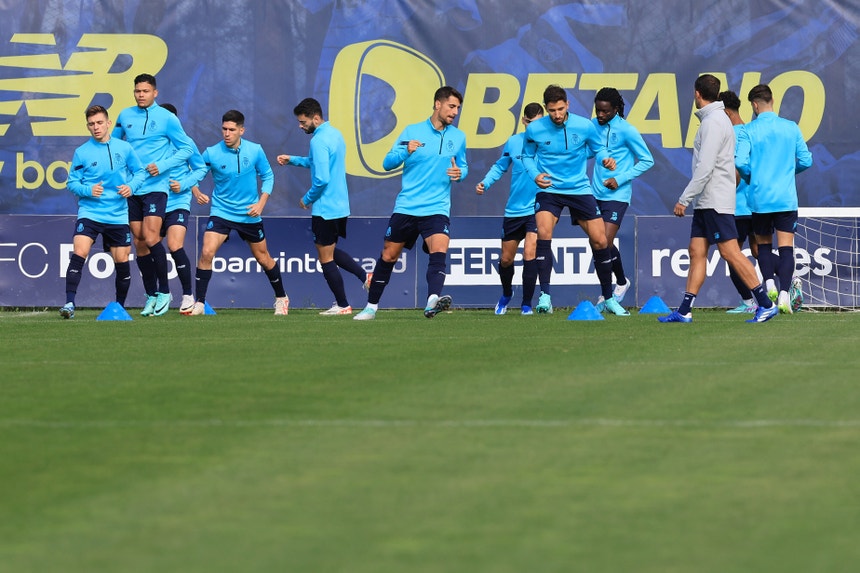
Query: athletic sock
381	276
766	261
761	297
529	280
202	279
544	263
122	281
785	267
274	276
332	276
617	267
147	272
506	274
436	273
347	263
603	268
159	257
73	276
183	269
687	303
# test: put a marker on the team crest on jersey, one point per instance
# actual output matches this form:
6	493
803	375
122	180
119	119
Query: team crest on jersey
118	159
450	145
613	139
575	139
246	162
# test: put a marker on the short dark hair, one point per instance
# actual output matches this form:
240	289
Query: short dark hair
148	78
235	116
94	109
554	93
533	110
169	107
445	92
612	96
761	92
730	99
708	87
309	107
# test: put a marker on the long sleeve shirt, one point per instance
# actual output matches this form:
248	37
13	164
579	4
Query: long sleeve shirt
521	200
712	185
742	207
562	151
188	176
112	163
328	195
632	158
426	187
157	137
235	172
770	152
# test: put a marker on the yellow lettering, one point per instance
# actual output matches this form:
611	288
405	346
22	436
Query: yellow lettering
499	111
814	97
51	173
596	82
22	166
662	90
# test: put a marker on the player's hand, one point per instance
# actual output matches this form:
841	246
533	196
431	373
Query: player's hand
609	163
124	191
479	188
97	190
175	186
302	203
611	183
412	145
543	181
152	168
255	210
282	159
680	210
201	198
454	172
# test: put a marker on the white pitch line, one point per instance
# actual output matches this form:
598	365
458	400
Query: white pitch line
357	423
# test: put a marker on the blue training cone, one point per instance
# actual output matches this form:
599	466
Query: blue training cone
585	311
114	311
208	309
655	305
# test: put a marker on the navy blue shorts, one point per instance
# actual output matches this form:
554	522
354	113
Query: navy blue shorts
764	223
173	218
515	228
612	211
250	232
112	235
407	228
149	205
581	207
744	226
713	226
327	231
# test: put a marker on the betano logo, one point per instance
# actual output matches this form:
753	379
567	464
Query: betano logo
55	94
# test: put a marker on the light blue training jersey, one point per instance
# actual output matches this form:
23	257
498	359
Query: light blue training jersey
563	152
426	187
625	145
521	200
112	163
769	154
157	137
188	175
235	172
328	195
742	208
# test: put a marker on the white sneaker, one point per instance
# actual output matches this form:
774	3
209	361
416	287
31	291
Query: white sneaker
784	303
187	304
197	309
336	310
282	306
620	290
366	314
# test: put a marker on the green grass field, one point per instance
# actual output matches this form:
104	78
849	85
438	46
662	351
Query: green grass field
466	443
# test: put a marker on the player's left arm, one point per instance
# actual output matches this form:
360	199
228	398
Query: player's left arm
803	156
644	160
183	144
320	172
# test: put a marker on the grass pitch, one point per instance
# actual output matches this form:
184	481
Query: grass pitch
470	442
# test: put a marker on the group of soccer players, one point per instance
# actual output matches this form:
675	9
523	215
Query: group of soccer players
135	183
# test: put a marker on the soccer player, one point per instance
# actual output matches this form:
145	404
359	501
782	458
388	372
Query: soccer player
237	205
613	189
104	175
712	187
433	155
328	198
162	145
771	150
743	215
555	155
519	221
183	185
